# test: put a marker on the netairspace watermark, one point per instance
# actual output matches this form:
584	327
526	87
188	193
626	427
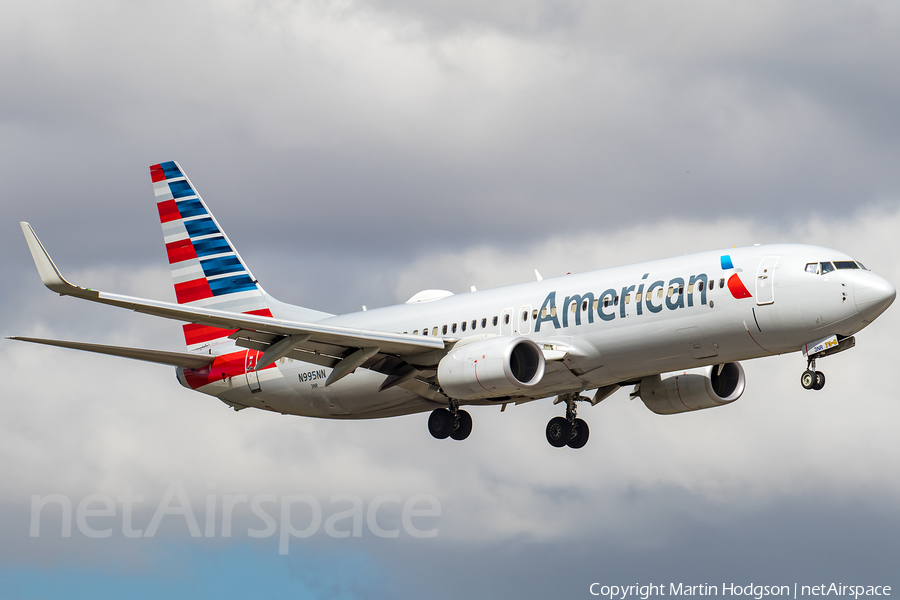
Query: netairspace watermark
344	516
755	591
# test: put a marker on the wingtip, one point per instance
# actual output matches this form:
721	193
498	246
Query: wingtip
50	275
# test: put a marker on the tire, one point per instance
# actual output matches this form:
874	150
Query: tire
808	380
820	381
558	432
441	423
463	426
580	434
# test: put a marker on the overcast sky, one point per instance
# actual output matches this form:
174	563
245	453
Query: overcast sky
357	153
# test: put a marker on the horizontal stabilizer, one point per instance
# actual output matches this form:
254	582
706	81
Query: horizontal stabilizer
164	357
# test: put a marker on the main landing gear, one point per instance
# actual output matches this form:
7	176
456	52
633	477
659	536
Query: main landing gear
450	422
569	430
812	379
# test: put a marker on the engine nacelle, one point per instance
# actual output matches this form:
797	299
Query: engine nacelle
491	368
700	388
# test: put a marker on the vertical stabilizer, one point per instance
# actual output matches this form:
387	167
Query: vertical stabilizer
207	271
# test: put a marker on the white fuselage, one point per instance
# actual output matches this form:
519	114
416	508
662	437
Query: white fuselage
618	325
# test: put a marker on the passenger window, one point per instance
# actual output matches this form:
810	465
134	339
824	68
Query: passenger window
474	324
524	315
574	307
425	332
845	264
596	304
444	330
812	268
495	321
606	302
827	267
712	285
584	306
616	301
484	323
690	288
415	332
680	290
659	294
552	311
722	282
637	298
463	325
543	313
700	286
534	315
453	328
628	298
506	319
671	291
434	331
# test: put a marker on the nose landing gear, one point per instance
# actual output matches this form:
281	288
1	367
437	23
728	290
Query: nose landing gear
569	430
812	379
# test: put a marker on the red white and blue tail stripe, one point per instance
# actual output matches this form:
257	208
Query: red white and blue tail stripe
206	269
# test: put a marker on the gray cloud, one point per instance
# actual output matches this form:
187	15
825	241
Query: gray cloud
486	127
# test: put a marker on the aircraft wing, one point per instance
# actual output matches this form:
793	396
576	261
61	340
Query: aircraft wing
163	357
348	346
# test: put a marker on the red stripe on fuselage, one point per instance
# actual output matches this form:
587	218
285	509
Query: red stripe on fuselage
180	251
228	365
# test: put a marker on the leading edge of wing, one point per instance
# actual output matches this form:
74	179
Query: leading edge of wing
387	342
164	357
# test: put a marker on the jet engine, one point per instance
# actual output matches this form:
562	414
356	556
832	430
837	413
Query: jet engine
491	368
692	390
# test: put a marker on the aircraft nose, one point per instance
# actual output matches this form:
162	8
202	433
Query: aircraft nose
873	294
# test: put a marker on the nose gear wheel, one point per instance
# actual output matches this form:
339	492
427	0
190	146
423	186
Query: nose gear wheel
811	379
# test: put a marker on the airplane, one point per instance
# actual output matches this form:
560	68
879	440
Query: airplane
675	329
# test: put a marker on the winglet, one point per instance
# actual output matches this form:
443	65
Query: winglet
50	275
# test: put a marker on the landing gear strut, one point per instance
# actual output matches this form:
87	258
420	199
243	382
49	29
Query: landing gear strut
569	430
450	422
812	379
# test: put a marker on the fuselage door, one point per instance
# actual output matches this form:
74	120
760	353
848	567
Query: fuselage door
252	375
765	280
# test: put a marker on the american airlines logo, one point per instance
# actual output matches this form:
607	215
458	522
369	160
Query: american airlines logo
680	292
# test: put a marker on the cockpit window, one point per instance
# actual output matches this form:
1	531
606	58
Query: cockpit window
828	267
845	264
